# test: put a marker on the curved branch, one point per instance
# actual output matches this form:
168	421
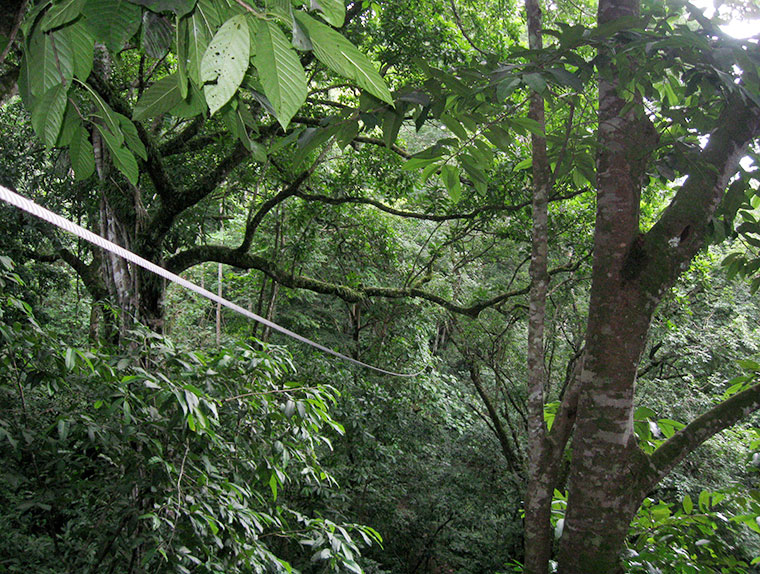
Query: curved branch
236	258
410	214
679	233
682	443
179	143
254	222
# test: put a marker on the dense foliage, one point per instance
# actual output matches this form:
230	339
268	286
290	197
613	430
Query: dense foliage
425	187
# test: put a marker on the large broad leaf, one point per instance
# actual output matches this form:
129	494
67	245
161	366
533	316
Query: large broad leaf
195	32
104	113
158	99
47	115
334	11
122	158
225	61
112	22
450	177
50	61
156	35
178	7
61	13
81	154
82	47
70	122
194	104
343	57
131	137
280	71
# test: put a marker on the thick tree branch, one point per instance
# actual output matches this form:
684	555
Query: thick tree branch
179	143
235	258
253	223
178	202
681	444
680	232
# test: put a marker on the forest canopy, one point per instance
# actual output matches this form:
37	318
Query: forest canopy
545	213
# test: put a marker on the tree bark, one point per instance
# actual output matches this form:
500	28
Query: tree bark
609	474
541	470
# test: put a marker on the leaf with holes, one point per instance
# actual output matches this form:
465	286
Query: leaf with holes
47	115
281	73
158	99
340	55
225	62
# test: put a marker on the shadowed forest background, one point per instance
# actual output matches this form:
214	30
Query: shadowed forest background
547	213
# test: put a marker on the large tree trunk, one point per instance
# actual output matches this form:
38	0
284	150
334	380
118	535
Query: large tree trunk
610	475
601	501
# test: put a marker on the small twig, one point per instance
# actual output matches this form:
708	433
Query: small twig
14	31
179	478
461	29
250	8
273	392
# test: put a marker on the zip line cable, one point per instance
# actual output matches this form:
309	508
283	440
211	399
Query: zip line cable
46	215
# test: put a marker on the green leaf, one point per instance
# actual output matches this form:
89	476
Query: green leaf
454	126
749	365
47	116
310	140
273	485
178	7
156	35
82	47
643	413
112	22
225	62
392	121
131	137
61	13
340	55
105	113
237	124
196	32
70	359
333	11
500	137
158	98
450	177
193	105
536	82
280	72
688	505
566	78
50	61
529	124
70	122
81	154
122	158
